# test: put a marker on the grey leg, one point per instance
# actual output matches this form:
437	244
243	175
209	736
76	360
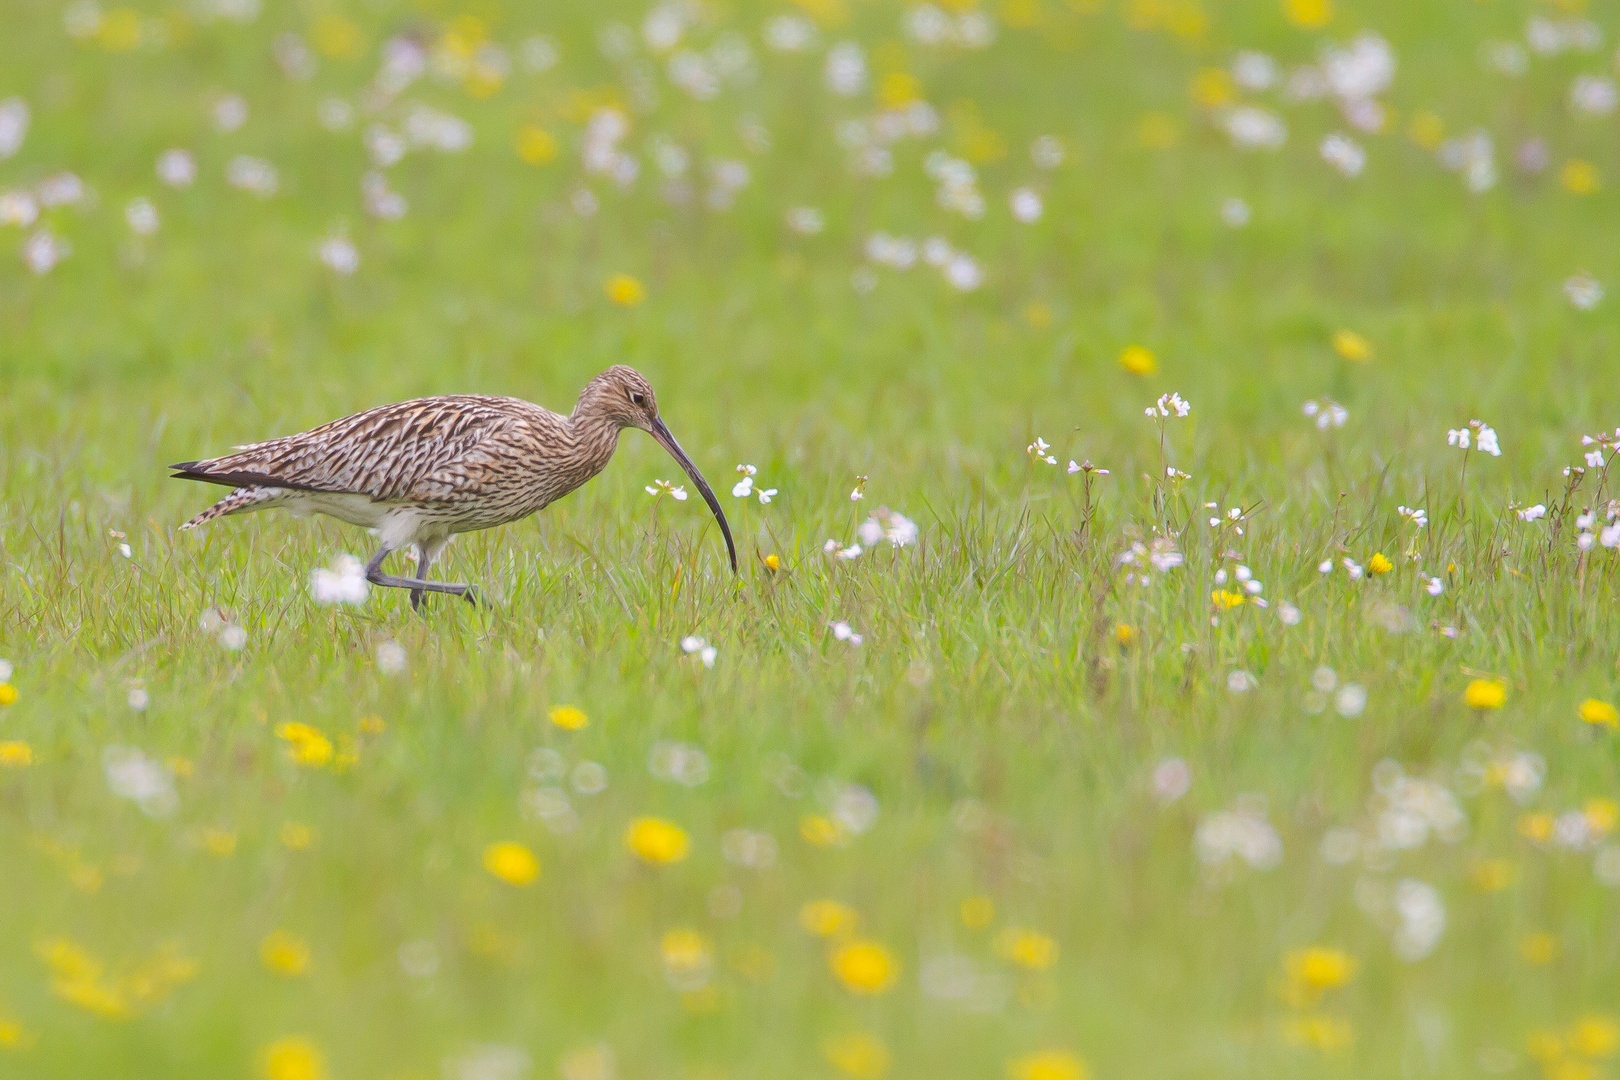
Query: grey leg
375	575
424	561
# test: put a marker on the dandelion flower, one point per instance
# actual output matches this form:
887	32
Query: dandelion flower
1379	564
864	967
624	290
1027	948
863	1057
15	754
568	717
1595	1037
1352	346
657	841
1047	1065
8	694
1138	360
1579	177
1485	694
511	862
305	744
284	953
1316	969
293	1059
827	918
1591	711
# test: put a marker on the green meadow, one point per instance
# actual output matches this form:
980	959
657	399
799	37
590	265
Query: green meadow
1274	739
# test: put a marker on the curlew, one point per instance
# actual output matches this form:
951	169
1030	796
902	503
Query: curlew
418	472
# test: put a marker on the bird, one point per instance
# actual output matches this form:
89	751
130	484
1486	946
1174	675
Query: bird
418	472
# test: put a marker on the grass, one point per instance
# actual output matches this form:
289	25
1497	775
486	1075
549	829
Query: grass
1008	730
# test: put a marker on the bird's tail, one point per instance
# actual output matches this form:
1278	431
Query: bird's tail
239	501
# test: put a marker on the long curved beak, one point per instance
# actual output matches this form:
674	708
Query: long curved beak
666	439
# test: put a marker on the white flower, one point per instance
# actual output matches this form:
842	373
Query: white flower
1242	833
845	71
1254	128
18	208
1241	682
789	33
230	112
144	781
1325	566
843	632
1610	535
1169	405
141	217
43	250
254	175
1039	449
1254	71
1344	154
1422	917
743	488
340	254
766	495
1415	515
1327	413
13	126
1235	212
664	487
1585	541
963	273
1171	780
1457	437
1584	292
1593	95
233	638
1046	152
1432	585
344	583
1026	205
806	220
1288	613
1486	440
1531	513
1353	568
390	657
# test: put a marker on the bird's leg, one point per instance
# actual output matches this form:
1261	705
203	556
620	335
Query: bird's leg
375	575
424	560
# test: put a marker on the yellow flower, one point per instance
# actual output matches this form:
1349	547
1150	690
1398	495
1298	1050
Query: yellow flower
1598	713
1579	177
1211	88
8	694
773	562
1426	130
13	1036
285	953
1038	315
1572	1069
16	754
825	918
1308	14
1601	814
1494	875
1138	360
536	145
1026	948
1324	1033
373	725
1315	970
219	842
1047	1065
864	967
1225	599
655	840
1595	1037
511	862
296	835
306	745
685	952
1539	948
293	1059
120	30
569	717
978	912
624	290
1124	633
862	1056
1352	346
1537	826
181	766
338	38
820	831
898	89
1379	563
1485	694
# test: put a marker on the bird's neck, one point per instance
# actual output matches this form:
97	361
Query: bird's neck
595	435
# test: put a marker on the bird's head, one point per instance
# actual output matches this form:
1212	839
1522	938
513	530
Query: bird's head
622	398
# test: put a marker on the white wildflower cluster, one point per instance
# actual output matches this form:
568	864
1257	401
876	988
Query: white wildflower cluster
379	200
1593	95
1474	157
1520	773
339	254
960	270
344	583
1344	154
702	75
1413	515
1171	779
748	848
958	980
743	488
1169	405
1241	579
1047	152
1026	205
727	177
1349	699
842	631
1352	568
1252	127
230	112
14	118
957	184
898	252
1041	450
851	807
845	69
806	220
1161	556
1085	467
1403	813
869	139
1584	291
253	175
1594	530
659	488
790	33
693	645
177	168
886	525
1528	513
927	24
1254	71
1478	435
146	782
1412	910
600	152
678	763
1242	833
141	216
1326	413
217	623
1549	37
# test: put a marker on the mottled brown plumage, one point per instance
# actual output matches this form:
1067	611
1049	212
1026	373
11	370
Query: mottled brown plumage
418	472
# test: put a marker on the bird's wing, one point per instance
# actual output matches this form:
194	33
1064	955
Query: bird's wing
426	450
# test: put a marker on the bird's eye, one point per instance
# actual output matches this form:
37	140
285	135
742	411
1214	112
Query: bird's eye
637	399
